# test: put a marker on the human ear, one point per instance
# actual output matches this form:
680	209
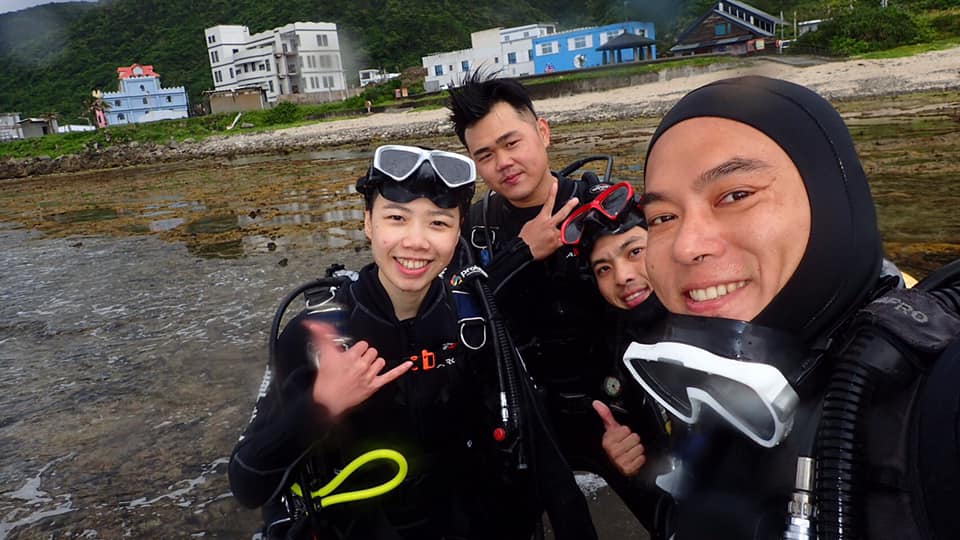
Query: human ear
543	128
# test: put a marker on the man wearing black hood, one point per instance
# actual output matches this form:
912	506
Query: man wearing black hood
813	385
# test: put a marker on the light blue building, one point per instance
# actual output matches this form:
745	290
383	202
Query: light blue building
596	46
142	99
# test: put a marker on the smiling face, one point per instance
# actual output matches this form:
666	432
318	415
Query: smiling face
728	215
510	150
619	265
412	243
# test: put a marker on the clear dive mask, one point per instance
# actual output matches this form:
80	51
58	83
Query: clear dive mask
733	367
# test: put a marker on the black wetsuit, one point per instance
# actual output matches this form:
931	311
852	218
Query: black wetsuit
553	311
879	409
433	415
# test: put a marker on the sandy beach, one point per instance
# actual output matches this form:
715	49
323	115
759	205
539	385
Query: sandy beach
837	80
937	70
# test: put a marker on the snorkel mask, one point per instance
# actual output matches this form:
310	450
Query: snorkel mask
741	371
405	173
615	210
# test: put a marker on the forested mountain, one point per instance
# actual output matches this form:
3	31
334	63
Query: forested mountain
52	56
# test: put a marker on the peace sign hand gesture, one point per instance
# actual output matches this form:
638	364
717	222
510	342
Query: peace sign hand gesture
541	233
346	378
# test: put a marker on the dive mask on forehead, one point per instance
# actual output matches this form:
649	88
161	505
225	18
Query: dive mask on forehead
735	368
405	173
399	162
613	211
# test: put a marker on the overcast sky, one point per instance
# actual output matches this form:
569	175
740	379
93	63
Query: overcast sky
17	5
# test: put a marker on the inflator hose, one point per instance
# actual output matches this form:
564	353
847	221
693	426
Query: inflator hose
840	444
506	363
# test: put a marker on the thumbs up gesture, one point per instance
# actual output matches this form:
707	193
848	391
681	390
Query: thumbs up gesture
621	444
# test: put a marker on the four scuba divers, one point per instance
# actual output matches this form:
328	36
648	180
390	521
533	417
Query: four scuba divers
416	381
820	396
548	300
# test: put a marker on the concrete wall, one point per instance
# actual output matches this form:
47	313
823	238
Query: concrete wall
567	88
248	101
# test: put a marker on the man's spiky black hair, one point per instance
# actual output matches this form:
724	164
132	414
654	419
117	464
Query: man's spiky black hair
478	93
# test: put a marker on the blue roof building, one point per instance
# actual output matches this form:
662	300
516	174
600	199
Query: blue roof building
596	46
142	99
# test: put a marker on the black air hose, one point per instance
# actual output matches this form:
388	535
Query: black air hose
840	446
870	363
506	362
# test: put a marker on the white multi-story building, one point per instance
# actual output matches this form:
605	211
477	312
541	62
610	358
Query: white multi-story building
508	52
299	58
10	126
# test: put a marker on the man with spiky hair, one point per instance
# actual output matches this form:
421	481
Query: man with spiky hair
546	295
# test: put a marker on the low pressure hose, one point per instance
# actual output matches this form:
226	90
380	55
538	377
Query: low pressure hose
839	447
505	358
868	364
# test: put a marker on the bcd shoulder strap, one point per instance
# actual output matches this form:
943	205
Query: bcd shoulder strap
915	317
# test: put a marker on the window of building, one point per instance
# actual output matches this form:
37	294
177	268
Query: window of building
266	64
325	61
299	43
322	40
143	88
311	62
235	51
511	58
328	81
116	103
438	69
217	77
496	59
642	32
144	101
721	29
526	34
579	43
547	48
271	86
231	73
529	54
121	117
465	65
169	99
211	38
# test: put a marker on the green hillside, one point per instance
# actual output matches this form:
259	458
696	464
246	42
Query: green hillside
52	56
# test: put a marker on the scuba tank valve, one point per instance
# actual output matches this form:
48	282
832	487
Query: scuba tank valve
800	509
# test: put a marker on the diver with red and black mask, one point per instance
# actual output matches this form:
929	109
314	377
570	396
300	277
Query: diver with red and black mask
817	393
609	235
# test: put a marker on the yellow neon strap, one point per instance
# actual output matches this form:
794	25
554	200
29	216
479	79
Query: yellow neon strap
375	491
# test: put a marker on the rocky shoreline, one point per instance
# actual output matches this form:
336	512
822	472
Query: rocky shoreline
838	80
